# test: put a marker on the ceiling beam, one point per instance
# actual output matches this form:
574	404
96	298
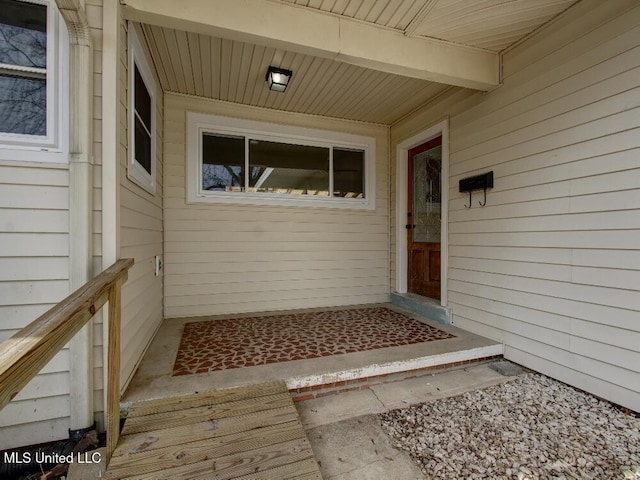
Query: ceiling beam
313	32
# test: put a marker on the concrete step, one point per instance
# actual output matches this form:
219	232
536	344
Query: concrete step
308	388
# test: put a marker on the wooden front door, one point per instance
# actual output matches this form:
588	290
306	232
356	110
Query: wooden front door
424	218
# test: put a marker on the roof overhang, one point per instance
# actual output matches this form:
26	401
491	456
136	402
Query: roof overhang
317	33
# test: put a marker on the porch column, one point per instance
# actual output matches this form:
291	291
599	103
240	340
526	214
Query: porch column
111	23
80	201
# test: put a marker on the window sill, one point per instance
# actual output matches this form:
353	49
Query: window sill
35	154
280	200
140	177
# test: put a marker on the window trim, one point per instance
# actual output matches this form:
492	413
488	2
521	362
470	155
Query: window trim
135	171
199	123
54	146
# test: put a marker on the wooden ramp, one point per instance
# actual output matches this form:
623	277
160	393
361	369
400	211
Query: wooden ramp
249	432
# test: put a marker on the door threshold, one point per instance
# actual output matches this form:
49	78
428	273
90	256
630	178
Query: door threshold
425	306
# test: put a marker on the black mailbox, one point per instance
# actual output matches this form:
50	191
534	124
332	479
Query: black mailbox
479	182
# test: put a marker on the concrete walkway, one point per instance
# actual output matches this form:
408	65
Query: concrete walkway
346	436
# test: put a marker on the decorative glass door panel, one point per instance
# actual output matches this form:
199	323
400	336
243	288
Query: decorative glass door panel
427	167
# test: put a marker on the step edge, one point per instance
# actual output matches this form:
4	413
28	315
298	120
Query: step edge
398	366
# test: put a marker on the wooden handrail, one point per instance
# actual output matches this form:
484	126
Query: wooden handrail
28	351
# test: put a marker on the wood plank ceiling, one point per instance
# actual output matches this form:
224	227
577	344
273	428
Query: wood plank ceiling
235	71
490	24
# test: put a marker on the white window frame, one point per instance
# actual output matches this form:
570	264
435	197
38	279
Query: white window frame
135	171
199	124
54	146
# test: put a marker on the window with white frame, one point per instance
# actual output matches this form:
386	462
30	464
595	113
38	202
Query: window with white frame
33	81
142	157
232	160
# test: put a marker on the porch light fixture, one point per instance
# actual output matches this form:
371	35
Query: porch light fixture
278	78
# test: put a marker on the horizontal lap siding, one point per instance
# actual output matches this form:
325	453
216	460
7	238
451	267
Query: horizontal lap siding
551	266
34	276
93	9
34	273
140	236
238	258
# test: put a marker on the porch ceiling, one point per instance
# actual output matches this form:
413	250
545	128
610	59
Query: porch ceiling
360	80
489	24
234	71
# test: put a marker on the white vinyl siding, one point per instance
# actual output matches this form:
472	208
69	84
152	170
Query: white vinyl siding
551	266
34	276
140	236
34	272
244	258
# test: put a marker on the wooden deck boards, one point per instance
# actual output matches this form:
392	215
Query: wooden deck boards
248	432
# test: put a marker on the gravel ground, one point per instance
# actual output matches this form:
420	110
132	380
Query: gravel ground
529	428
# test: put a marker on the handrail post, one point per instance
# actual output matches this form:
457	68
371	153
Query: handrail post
113	365
28	351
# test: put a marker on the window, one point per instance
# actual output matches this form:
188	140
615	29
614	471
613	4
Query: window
286	168
142	162
222	163
32	81
243	161
348	173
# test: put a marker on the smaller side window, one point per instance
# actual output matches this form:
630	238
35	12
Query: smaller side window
33	82
142	162
348	173
222	163
23	68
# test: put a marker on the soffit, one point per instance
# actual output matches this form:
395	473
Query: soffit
210	66
234	71
489	24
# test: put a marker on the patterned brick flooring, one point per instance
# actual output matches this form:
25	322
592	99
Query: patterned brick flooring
245	342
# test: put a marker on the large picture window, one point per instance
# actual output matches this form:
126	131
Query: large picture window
32	90
142	162
242	161
276	167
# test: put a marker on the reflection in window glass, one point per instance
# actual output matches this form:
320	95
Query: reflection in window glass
348	173
23	77
287	168
222	163
23	34
23	106
143	136
142	145
142	100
